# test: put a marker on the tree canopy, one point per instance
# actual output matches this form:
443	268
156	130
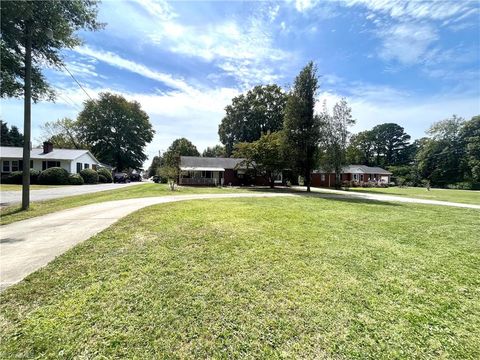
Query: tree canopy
214	151
10	137
302	128
117	130
179	147
265	155
52	26
250	115
63	133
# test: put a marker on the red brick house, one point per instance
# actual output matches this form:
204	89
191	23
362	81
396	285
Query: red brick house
195	170
360	174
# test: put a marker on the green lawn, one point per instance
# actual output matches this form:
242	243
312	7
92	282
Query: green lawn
460	196
258	278
13	213
14	187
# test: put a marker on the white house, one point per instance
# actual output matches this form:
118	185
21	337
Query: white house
72	160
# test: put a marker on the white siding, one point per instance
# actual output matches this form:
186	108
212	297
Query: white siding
84	159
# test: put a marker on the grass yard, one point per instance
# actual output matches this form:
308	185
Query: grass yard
15	187
13	213
258	278
460	196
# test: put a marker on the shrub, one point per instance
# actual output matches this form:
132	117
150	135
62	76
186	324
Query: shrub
75	179
89	176
107	174
464	186
54	176
102	179
16	177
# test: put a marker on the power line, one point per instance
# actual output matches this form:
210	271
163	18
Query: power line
73	77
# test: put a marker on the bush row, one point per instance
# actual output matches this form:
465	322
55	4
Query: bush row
60	176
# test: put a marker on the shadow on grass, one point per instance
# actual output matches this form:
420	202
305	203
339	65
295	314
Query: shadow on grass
335	197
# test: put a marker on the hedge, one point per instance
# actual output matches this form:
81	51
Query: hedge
107	174
102	179
54	176
16	177
89	176
75	179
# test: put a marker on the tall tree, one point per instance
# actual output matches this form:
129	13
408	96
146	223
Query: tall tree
63	133
33	33
335	138
265	155
117	130
470	134
302	128
179	147
361	148
250	115
391	144
10	137
440	158
214	151
51	25
156	164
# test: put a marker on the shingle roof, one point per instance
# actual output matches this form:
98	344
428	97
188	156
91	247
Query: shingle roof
37	153
362	169
208	162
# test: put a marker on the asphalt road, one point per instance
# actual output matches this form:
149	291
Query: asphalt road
13	197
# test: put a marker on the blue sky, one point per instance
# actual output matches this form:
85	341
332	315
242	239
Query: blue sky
409	62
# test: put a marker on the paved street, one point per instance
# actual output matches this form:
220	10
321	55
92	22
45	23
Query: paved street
12	197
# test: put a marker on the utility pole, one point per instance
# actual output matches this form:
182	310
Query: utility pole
27	119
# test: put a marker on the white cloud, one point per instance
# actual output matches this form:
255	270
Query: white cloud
304	5
121	63
415	9
406	42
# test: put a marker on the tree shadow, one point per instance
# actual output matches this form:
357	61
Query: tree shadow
328	196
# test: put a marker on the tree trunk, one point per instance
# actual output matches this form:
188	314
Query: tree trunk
307	179
27	118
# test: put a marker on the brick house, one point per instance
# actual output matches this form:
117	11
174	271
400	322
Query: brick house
195	170
360	174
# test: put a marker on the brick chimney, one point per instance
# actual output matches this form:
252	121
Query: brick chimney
47	147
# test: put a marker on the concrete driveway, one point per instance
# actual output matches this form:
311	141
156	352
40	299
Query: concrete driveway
27	245
13	197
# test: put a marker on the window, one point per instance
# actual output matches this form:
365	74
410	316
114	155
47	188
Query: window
94	167
206	174
79	167
31	164
6	166
355	177
14	165
50	164
86	166
322	177
278	178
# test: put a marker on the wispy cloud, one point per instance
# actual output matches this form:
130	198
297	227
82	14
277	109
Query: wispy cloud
125	64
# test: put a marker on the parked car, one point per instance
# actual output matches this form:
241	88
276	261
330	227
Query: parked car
135	177
120	177
156	179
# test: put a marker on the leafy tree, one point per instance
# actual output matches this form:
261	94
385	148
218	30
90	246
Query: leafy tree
391	144
335	137
250	115
470	134
180	147
265	156
302	128
156	163
170	173
361	148
215	151
117	130
10	137
440	158
63	133
52	26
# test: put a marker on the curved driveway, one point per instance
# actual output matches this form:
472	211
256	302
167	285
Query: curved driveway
27	245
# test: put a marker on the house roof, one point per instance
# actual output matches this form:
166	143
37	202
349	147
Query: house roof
208	163
361	169
37	153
